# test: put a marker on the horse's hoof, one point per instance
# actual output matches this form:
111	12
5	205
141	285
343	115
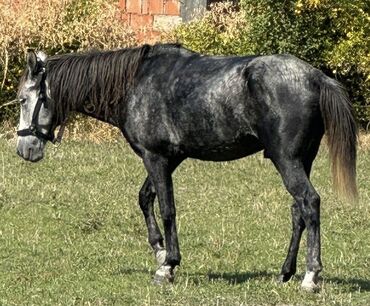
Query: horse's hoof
164	275
310	282
283	278
310	287
160	255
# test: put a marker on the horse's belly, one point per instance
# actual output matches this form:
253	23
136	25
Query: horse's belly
226	151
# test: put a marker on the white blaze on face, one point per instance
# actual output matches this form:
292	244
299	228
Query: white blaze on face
28	99
31	147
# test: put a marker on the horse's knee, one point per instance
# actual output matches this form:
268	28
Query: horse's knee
146	196
310	208
312	200
297	216
168	214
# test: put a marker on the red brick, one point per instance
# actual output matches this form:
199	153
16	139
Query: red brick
145	7
172	7
141	21
148	37
156	7
133	6
122	4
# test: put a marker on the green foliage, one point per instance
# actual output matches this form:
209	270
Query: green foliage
55	27
331	35
221	30
72	232
350	56
284	27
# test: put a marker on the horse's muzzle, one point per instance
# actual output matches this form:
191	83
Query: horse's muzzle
30	148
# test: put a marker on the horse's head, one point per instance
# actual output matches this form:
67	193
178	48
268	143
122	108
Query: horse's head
36	116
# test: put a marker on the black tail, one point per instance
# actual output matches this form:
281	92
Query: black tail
341	131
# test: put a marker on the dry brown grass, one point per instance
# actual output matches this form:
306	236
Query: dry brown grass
61	24
364	141
92	130
79	129
83	128
54	26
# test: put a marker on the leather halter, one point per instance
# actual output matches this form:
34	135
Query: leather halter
34	129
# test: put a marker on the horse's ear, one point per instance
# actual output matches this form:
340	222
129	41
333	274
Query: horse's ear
31	61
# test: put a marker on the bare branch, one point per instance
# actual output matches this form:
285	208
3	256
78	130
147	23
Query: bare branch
13	102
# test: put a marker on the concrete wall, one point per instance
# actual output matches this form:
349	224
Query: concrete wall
190	8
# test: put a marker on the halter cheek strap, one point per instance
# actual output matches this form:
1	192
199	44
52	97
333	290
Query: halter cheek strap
34	129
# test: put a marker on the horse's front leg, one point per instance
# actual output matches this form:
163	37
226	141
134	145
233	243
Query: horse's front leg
146	200
160	169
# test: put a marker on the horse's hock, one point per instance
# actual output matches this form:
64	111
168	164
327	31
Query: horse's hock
151	17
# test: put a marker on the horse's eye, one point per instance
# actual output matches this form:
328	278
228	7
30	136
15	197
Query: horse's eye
22	101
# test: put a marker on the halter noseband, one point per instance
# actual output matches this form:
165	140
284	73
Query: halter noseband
34	129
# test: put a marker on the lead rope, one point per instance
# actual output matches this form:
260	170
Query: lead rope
60	132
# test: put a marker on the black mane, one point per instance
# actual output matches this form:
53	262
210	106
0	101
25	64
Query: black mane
99	79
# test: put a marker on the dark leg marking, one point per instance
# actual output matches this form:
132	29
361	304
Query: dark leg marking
290	265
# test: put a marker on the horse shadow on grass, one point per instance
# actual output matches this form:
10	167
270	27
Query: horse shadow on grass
354	284
237	277
231	277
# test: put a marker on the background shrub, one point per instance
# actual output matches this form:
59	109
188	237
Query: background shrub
329	34
55	27
221	30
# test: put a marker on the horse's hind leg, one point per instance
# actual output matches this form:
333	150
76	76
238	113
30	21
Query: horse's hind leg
146	200
308	203
298	225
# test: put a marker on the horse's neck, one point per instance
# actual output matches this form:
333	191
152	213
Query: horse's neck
111	117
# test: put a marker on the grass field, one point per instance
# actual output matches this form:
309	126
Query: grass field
71	232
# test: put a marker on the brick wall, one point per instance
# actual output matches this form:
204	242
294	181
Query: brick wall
150	17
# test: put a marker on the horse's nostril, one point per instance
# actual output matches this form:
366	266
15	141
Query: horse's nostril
19	152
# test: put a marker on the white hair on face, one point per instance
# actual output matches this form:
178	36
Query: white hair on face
41	55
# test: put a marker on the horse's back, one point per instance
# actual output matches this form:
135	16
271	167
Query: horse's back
216	108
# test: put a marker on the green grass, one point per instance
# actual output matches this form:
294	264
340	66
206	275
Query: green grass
71	232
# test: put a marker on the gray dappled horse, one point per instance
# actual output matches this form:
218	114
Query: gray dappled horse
171	104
